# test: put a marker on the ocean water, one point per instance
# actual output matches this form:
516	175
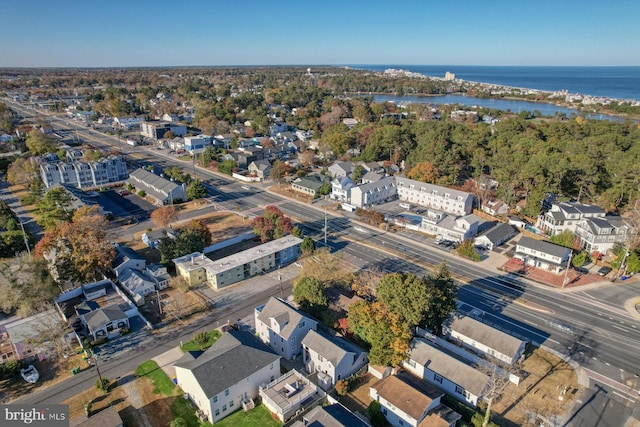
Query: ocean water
611	82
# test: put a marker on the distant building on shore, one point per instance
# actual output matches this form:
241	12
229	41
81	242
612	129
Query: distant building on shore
449	76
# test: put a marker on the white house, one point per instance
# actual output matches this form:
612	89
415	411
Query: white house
289	395
601	234
341	189
403	403
496	235
105	321
332	357
341	169
282	327
137	284
566	216
228	375
261	168
374	193
126	257
127	122
541	254
484	339
441	369
450	227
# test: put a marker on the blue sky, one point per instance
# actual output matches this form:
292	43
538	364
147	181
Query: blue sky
61	33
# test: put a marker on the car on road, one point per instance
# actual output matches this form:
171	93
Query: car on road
246	187
603	271
361	229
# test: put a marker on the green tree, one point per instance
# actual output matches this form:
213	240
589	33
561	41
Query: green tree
227	166
383	330
38	143
406	295
467	250
309	293
444	294
580	259
307	246
196	190
54	207
193	237
565	238
200	339
280	170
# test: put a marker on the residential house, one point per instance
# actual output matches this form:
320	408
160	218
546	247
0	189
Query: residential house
157	130
484	339
161	190
282	327
289	395
541	254
442	369
341	189
565	216
308	184
495	207
105	321
137	284
601	234
196	268
159	274
108	417
246	156
304	135
350	122
332	357
404	402
341	169
126	257
152	238
335	415
449	227
374	193
228	375
18	336
433	196
260	168
496	236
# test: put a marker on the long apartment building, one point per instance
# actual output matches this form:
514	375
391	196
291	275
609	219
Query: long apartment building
107	170
196	268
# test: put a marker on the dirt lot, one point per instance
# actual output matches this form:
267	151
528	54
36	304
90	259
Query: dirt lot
547	376
287	191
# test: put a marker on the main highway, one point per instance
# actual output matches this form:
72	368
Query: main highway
591	328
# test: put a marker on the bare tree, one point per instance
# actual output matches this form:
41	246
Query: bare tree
365	282
497	379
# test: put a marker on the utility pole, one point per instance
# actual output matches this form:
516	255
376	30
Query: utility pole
325	226
280	283
566	271
26	241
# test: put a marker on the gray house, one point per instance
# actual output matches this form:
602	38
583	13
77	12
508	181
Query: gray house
541	254
496	235
161	190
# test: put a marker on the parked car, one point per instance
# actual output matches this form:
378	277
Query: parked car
582	270
604	271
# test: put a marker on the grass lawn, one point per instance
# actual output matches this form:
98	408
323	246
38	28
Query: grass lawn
212	336
183	409
161	382
259	416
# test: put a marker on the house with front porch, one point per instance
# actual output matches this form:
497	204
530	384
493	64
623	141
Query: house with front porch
341	189
601	234
228	375
332	357
541	254
107	321
565	216
260	168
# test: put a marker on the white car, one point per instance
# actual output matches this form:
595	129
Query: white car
361	229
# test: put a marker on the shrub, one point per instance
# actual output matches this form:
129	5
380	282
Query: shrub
102	384
10	369
200	339
342	387
378	420
142	193
374	408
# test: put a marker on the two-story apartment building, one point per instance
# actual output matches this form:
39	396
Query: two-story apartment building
448	373
109	170
163	191
197	144
541	254
565	216
282	327
433	196
332	357
374	193
196	268
228	375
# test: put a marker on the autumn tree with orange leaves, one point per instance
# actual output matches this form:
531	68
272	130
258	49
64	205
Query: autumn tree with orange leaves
272	225
165	215
425	172
79	250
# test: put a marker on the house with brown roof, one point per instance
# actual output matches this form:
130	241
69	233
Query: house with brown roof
404	401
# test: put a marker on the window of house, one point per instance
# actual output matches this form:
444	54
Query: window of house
320	358
437	378
217	412
215	399
231	404
224	408
384	411
226	392
459	390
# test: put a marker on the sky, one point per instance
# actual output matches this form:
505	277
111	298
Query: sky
116	33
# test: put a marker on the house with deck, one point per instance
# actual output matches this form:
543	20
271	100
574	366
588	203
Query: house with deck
541	254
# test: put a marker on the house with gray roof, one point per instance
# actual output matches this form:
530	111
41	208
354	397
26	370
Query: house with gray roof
565	216
442	369
289	395
228	375
496	236
126	257
332	357
282	327
341	169
137	284
341	189
308	184
335	415
261	168
445	199
161	190
542	254
374	193
152	238
601	234
105	321
484	339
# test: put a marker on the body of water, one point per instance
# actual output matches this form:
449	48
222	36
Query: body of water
610	82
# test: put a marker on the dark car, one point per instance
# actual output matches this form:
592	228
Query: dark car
604	271
582	270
